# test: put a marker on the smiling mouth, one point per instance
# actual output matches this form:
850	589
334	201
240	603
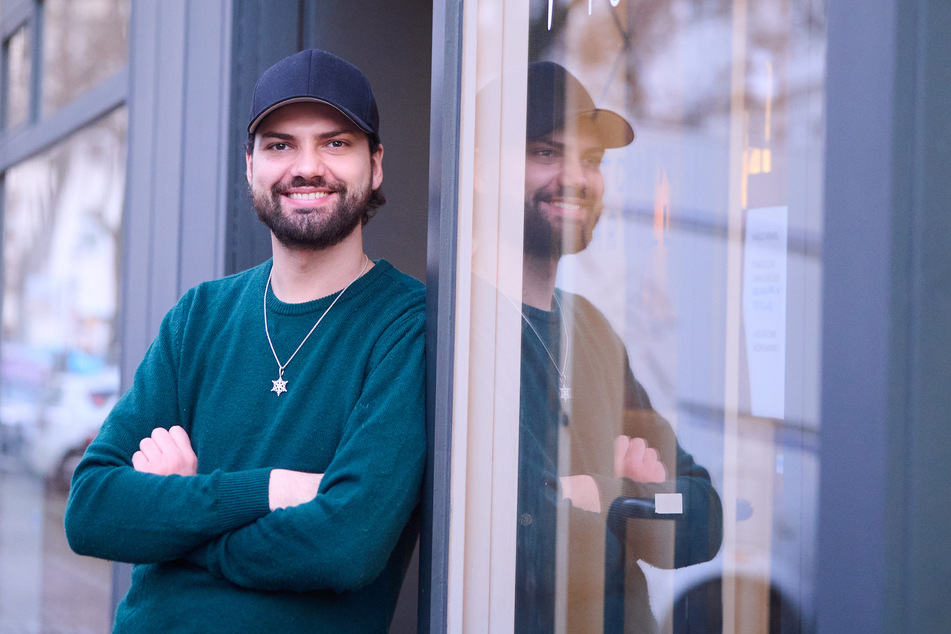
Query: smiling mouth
568	209
308	196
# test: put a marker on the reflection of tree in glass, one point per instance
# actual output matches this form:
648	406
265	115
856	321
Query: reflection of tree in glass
670	62
63	214
83	44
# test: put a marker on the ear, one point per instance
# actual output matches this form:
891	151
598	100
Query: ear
376	168
247	160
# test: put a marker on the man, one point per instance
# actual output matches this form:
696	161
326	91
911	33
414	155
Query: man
263	469
588	434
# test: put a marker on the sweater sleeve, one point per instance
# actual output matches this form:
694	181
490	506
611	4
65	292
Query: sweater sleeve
696	535
691	538
117	513
343	538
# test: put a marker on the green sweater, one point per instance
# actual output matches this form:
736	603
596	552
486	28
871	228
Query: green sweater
210	555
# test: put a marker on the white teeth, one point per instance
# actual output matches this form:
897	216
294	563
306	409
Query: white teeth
567	206
308	196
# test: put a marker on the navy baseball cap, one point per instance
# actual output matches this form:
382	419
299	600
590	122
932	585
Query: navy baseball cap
555	97
317	76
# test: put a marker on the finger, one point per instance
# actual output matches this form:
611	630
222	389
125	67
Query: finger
180	437
620	451
654	469
139	461
163	439
651	456
655	472
635	452
149	449
186	454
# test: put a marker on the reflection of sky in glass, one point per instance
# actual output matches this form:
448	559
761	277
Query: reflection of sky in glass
84	43
18	77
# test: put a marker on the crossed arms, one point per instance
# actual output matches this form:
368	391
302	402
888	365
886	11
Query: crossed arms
169	452
633	459
255	525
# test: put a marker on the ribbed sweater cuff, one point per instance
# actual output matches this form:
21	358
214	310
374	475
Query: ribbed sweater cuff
243	496
609	489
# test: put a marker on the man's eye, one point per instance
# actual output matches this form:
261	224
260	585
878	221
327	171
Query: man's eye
337	143
277	146
593	161
544	153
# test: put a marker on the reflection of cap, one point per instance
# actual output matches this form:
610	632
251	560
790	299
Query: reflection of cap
556	96
315	75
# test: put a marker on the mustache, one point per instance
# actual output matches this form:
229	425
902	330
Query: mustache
581	193
300	181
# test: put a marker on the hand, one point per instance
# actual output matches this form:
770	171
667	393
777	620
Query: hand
582	491
633	459
166	452
291	488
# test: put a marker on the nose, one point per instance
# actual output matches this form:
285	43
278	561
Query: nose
308	163
573	172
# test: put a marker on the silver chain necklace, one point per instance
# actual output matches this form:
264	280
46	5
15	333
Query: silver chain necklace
564	390
280	385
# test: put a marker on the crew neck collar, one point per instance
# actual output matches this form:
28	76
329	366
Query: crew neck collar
321	303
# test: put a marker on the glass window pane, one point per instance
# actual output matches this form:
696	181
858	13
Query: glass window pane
19	65
83	44
58	369
667	295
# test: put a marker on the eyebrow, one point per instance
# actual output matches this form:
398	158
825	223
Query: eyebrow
283	136
558	146
546	141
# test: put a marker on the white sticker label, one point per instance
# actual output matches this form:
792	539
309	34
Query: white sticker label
669	504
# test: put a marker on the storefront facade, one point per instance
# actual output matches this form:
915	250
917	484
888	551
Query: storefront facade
768	265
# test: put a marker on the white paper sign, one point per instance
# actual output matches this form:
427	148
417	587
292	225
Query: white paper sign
764	309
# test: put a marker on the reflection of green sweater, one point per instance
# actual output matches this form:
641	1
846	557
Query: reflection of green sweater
211	556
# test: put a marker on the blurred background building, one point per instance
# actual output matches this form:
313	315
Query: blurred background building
772	252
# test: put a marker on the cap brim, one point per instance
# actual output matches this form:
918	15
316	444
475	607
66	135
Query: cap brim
280	104
613	129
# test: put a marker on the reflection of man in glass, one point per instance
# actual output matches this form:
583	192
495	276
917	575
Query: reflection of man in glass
588	433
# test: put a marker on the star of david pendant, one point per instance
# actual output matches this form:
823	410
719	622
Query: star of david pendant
280	386
564	392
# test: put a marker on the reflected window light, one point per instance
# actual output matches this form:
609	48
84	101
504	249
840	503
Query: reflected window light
756	160
18	70
661	207
769	101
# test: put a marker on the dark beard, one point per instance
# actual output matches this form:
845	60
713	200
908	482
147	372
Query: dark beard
318	229
541	239
539	236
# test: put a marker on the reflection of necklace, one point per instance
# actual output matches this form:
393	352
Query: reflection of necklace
564	390
280	385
